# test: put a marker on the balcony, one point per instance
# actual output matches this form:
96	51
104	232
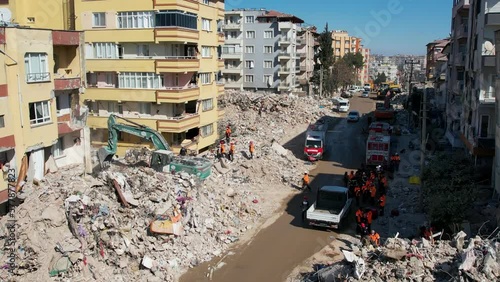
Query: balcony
285	25
231	55
233	40
285	86
178	64
101	121
177	94
120	94
284	56
67	83
232	85
38	77
192	6
285	41
284	71
492	19
488	60
461	31
232	26
124	65
232	70
487	97
178	124
176	34
220	64
66	38
221	38
303	68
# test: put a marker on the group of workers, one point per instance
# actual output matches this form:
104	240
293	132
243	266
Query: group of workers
223	152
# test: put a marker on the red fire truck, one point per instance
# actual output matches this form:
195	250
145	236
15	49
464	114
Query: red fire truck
315	143
378	144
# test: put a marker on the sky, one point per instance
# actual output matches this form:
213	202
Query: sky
388	27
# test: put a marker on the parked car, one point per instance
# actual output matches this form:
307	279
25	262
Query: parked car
365	94
353	116
346	94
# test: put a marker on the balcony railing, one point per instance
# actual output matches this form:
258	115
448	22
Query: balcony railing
38	77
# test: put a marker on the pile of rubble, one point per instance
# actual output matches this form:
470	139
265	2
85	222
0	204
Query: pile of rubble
133	223
418	260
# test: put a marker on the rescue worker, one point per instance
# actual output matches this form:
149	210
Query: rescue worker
251	148
363	229
357	194
381	205
397	160
222	150
365	189
228	133
305	206
368	218
373	193
375	238
351	175
183	151
359	215
231	151
305	182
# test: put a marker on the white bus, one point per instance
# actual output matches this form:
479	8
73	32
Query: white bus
341	104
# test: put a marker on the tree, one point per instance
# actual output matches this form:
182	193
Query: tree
354	61
324	61
343	74
381	78
449	188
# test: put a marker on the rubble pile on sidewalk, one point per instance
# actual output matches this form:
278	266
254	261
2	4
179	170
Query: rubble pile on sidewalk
133	223
419	260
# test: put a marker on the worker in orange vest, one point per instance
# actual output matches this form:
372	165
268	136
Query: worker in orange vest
357	194
251	148
231	151
375	238
381	204
305	181
359	215
222	150
365	190
368	217
228	133
351	175
373	193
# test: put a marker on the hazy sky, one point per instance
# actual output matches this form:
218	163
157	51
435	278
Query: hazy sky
387	26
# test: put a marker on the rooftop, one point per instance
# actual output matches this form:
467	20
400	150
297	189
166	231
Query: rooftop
281	16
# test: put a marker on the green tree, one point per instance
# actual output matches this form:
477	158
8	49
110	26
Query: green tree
342	74
324	61
449	188
381	78
354	61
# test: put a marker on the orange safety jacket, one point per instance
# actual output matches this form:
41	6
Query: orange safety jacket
231	149
373	191
228	131
305	179
357	191
369	217
375	238
251	148
382	201
359	215
222	149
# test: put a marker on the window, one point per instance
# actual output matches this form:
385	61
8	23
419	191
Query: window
250	34
249	49
207	105
249	19
176	18
105	50
268	34
109	79
268	64
143	50
206	52
207	130
57	149
136	19
205	24
268	49
206	2
145	108
39	112
268	79
36	67
485	123
140	80
2	121
205	78
248	78
99	20
249	64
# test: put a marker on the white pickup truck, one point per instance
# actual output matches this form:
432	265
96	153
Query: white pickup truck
331	206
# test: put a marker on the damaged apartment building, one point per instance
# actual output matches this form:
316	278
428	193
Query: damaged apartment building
41	118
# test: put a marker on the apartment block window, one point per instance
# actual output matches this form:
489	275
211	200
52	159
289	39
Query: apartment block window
485	123
36	67
249	49
105	50
268	64
206	2
145	108
99	19
248	78
207	105
268	49
206	51
140	80
57	149
136	19
205	24
2	121
143	50
250	34
205	78
249	64
249	19
207	130
268	79
39	112
268	34
110	79
176	18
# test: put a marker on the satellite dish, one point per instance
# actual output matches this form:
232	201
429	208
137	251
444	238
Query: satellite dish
489	48
5	15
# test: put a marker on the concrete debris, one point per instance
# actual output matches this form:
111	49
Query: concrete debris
409	260
133	223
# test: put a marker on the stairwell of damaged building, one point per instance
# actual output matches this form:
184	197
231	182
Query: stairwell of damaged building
42	120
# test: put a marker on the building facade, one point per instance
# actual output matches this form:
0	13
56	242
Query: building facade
155	63
455	78
41	118
364	75
496	163
306	48
264	50
434	53
343	43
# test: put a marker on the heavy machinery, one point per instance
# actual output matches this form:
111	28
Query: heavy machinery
162	159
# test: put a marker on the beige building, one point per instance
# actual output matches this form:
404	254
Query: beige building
364	75
343	43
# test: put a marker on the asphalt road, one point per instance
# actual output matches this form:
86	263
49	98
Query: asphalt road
276	250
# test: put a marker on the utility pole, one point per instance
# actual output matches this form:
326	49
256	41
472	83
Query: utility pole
321	82
410	62
424	132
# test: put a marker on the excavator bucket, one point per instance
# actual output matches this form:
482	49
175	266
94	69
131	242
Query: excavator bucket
104	157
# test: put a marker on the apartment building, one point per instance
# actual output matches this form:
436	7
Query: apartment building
155	63
41	120
438	99
306	48
496	163
364	75
343	43
434	53
260	51
386	66
455	78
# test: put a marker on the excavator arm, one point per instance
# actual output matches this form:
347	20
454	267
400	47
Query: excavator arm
105	154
